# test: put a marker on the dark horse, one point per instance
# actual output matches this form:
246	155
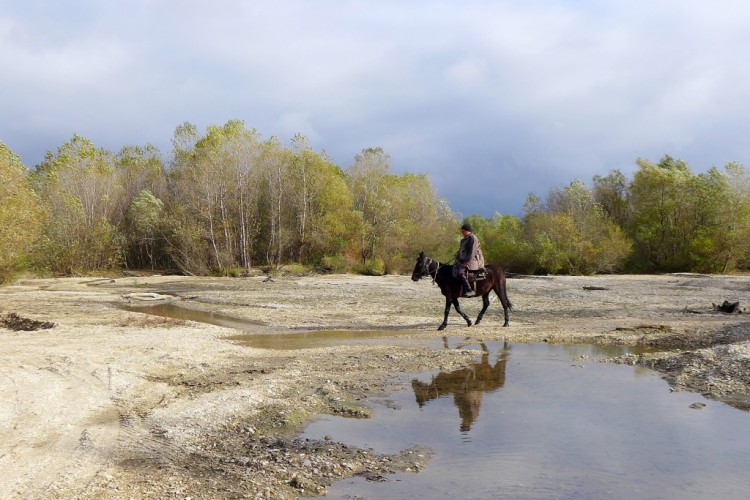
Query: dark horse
452	288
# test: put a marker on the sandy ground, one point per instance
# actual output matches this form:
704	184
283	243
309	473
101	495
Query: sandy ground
114	403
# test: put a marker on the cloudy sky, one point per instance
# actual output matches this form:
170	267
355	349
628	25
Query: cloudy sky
494	99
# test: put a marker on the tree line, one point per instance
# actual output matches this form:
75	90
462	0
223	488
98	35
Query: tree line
666	218
229	200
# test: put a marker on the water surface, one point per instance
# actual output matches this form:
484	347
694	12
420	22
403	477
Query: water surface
172	310
540	421
533	421
324	338
260	338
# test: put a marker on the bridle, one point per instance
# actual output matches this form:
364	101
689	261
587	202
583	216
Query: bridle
426	268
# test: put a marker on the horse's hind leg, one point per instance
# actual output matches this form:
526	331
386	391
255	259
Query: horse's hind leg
459	311
485	305
503	296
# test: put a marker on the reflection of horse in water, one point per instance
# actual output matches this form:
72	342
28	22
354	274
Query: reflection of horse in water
467	385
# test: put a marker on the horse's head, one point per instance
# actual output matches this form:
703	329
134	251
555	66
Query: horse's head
421	268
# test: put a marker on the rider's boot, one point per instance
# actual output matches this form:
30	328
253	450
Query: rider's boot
468	292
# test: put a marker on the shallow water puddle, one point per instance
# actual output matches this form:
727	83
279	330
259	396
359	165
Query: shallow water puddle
319	338
172	310
542	421
532	421
283	341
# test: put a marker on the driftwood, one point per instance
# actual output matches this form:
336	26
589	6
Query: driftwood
148	296
660	328
728	307
595	288
13	321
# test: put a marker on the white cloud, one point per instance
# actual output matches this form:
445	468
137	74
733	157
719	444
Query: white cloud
559	90
469	73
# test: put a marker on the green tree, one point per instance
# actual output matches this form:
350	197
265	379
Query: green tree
680	220
555	242
145	217
20	214
140	170
184	234
419	220
662	197
367	179
399	215
573	234
723	227
80	193
333	237
213	204
322	205
611	193
503	242
276	167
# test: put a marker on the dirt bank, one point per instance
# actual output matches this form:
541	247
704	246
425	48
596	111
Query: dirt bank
114	403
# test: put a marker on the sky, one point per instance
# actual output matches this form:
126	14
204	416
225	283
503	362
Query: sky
493	99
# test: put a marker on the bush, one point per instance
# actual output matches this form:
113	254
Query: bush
229	272
334	264
373	267
294	268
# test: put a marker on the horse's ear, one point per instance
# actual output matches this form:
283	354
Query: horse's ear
421	255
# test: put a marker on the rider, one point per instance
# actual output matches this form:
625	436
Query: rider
469	257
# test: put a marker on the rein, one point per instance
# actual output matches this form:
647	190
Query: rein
432	274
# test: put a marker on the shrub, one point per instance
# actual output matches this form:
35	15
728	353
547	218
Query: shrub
334	264
294	268
373	267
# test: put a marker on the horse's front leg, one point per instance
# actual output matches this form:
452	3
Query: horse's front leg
459	311
485	305
445	317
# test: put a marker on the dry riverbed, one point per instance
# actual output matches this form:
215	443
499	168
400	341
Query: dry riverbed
102	401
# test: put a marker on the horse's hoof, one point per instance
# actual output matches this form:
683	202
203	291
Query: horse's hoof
468	323
441	327
506	324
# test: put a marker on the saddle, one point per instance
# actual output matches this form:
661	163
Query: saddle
475	275
479	275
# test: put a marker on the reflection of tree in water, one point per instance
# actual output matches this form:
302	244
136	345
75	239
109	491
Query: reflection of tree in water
467	385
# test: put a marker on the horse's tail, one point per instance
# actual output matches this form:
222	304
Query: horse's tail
501	288
504	288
